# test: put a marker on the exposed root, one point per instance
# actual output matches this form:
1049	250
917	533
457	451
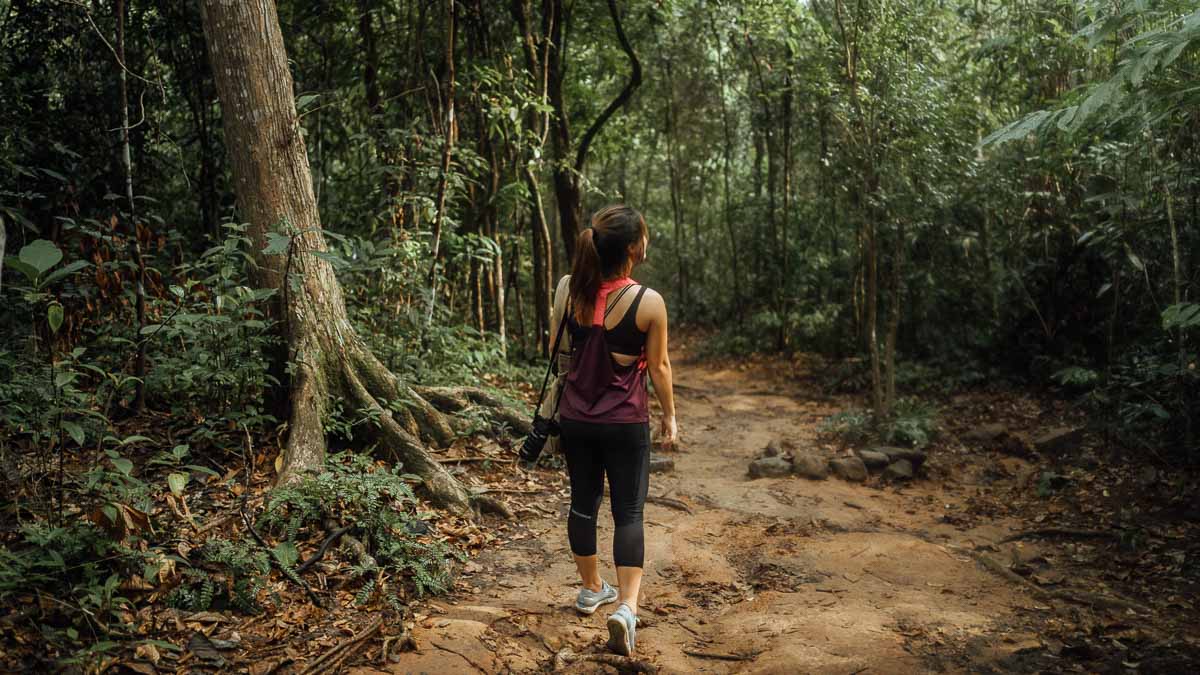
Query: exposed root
1078	597
438	485
427	423
667	501
485	504
457	399
721	656
565	657
1058	532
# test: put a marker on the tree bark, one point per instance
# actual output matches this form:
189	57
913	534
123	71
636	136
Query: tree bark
275	194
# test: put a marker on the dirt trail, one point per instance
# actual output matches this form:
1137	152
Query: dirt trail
791	574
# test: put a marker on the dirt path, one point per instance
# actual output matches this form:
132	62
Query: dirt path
790	574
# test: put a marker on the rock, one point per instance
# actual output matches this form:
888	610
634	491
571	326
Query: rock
915	457
661	464
772	450
901	469
987	433
874	460
1059	440
810	466
849	468
770	467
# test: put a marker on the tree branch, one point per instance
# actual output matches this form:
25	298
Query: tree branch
635	80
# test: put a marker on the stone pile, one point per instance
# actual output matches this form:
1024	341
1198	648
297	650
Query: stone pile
891	463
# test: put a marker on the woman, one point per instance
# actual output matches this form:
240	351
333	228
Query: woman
618	334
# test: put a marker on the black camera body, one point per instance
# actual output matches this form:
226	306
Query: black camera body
535	442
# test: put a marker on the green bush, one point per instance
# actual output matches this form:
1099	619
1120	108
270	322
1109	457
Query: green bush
380	507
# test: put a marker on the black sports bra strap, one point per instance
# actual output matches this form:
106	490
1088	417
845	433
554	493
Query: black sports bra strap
631	313
620	294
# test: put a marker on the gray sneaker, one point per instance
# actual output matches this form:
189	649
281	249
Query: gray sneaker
589	601
622	630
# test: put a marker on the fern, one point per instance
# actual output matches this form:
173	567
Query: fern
380	504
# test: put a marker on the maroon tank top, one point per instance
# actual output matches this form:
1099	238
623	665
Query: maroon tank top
597	388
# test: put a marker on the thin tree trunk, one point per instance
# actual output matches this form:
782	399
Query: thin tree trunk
727	160
135	247
539	229
447	149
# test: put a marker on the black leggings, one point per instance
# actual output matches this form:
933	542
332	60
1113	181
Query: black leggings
623	452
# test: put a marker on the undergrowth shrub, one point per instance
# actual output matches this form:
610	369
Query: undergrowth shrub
225	574
379	505
914	423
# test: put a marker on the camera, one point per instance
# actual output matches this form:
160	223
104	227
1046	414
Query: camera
543	428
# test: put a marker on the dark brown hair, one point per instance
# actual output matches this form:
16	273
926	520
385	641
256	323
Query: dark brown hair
602	252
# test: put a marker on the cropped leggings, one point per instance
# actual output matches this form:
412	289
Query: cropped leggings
622	451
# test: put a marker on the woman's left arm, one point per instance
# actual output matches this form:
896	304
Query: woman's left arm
658	363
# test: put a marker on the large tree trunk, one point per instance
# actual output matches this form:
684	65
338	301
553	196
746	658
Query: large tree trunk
275	194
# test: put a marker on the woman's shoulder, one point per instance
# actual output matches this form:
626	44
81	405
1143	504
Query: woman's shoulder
651	295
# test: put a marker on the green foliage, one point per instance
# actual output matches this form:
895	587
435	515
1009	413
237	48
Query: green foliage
380	505
212	341
225	574
914	423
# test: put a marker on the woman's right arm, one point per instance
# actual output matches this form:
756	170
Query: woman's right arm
658	363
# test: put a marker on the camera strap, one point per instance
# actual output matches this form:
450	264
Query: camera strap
562	324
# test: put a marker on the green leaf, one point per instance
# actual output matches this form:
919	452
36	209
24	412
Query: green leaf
286	553
1184	315
54	316
75	431
41	255
135	439
202	469
123	465
277	243
306	100
28	271
177	481
65	271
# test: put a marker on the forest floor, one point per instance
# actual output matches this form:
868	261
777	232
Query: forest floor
788	575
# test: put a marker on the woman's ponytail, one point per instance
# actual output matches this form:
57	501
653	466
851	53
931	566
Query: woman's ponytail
586	276
604	250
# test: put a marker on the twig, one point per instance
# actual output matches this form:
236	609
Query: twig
329	541
457	460
464	656
500	490
218	521
1058	532
333	659
667	501
721	656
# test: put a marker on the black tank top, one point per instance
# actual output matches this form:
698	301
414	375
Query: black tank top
623	338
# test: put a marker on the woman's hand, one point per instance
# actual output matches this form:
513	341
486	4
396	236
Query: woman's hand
668	432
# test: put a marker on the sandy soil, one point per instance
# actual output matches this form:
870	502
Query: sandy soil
785	575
